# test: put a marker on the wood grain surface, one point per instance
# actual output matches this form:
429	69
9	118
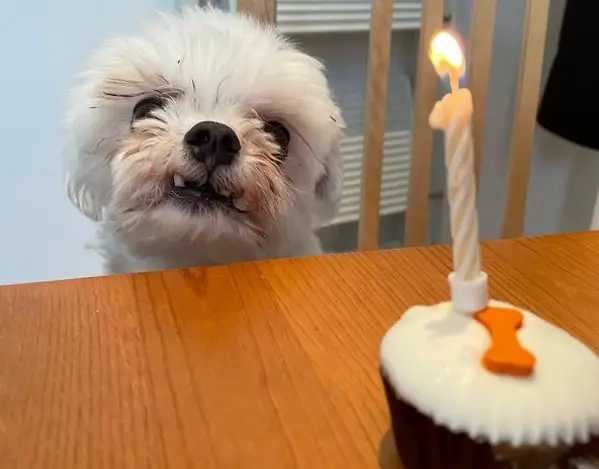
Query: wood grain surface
269	365
375	117
524	123
264	10
425	96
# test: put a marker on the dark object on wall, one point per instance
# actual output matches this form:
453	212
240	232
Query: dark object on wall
570	104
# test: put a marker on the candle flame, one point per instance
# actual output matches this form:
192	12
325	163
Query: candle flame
446	54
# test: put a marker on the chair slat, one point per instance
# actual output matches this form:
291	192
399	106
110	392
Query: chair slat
526	102
422	134
265	10
379	52
479	71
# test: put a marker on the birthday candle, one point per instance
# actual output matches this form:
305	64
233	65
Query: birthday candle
453	115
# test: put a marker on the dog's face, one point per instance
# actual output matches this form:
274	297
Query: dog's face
209	125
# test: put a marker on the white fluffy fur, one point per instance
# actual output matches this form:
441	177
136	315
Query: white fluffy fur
218	66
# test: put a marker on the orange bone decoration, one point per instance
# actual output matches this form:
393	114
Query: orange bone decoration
505	355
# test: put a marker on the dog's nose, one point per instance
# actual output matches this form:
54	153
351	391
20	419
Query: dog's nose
213	143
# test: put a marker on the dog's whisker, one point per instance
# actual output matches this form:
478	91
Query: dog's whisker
259	232
307	143
107	94
218	89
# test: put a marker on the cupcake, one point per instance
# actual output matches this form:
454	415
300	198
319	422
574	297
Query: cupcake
473	383
498	389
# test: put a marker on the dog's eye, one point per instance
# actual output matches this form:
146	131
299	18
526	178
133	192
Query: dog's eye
144	107
281	135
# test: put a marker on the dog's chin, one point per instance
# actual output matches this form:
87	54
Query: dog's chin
202	199
185	218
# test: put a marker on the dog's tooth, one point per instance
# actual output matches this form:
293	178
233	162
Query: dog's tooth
178	180
241	204
225	193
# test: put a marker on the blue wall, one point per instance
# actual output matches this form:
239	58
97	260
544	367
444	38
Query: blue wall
42	45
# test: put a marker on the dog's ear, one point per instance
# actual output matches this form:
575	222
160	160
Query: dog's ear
88	183
90	137
329	187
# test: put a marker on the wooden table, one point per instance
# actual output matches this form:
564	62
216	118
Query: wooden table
258	366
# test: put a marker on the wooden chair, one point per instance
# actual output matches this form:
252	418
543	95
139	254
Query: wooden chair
480	52
266	10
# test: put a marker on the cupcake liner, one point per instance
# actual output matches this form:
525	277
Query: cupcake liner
584	464
584	456
421	444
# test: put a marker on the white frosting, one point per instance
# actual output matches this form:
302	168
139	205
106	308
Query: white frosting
432	357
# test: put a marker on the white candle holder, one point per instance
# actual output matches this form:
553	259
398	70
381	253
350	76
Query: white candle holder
469	296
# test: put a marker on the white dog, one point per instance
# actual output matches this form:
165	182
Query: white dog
210	139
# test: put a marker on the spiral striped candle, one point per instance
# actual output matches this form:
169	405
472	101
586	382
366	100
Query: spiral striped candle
461	188
453	115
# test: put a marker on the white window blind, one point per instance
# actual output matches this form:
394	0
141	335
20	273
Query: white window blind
396	156
316	16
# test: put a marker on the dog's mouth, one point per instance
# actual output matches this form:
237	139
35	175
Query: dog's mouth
201	193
